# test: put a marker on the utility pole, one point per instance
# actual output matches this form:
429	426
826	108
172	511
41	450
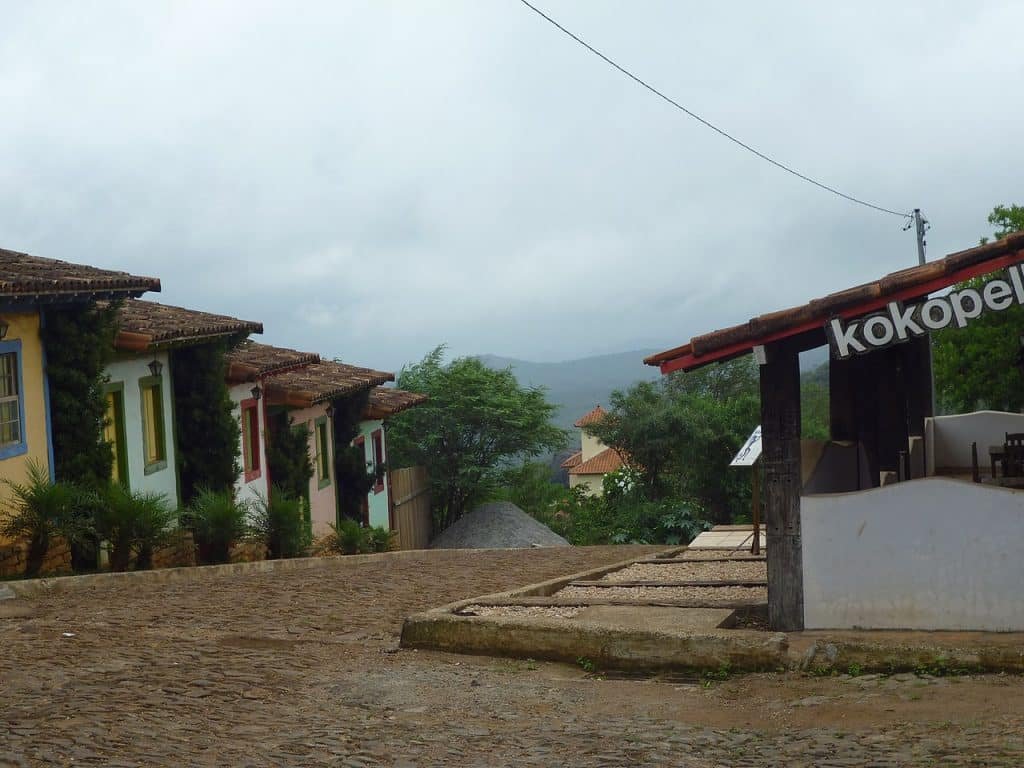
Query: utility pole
921	226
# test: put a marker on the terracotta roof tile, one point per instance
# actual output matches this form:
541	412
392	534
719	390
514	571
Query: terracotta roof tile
250	360
28	277
145	324
573	461
606	461
592	417
387	401
905	285
320	382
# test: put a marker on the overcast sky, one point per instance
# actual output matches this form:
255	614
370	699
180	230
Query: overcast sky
372	179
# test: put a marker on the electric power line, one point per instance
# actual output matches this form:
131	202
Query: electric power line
707	124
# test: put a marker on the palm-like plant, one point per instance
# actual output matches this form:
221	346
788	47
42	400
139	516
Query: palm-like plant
132	522
39	510
217	520
278	522
380	539
348	537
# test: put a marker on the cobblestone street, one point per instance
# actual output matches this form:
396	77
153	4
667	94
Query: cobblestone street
303	668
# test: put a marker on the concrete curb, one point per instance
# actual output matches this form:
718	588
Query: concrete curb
712	650
839	655
605	647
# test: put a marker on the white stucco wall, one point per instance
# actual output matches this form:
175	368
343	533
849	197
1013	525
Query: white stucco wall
127	372
933	553
377	501
948	438
257	486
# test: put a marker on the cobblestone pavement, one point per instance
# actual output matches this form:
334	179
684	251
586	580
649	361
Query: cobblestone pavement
303	668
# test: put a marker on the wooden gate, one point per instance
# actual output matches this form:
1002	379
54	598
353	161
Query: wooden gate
410	504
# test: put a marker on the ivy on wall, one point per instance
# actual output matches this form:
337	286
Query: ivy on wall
352	480
79	343
288	455
207	429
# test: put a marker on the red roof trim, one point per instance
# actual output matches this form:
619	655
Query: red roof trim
688	361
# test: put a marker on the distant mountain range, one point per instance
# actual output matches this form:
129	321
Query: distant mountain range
576	386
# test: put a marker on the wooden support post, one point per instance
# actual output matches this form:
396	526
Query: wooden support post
917	375
867	411
891	407
755	511
842	398
780	436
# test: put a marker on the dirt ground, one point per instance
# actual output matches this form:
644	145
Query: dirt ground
303	668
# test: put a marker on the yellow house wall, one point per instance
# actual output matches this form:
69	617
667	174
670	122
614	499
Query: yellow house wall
25	327
592	484
591	446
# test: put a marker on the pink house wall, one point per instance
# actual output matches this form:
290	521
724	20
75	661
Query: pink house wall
322	502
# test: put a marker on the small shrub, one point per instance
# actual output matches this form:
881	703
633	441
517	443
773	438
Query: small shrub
279	523
380	539
586	664
132	522
39	510
217	521
348	538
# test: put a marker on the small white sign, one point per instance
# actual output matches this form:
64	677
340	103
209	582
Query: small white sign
750	452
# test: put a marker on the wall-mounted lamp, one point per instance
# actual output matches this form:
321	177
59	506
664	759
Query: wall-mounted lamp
4	327
329	410
155	367
257	393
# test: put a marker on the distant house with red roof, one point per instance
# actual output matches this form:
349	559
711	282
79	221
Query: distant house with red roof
588	466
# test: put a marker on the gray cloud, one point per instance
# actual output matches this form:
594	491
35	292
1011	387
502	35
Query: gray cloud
371	179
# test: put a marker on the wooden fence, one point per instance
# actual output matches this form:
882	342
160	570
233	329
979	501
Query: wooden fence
410	502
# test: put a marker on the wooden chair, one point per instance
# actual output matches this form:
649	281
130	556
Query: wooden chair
1013	455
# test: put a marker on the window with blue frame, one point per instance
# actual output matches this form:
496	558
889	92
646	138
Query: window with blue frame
12	405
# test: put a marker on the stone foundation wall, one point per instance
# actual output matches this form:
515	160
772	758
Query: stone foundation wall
179	552
13	553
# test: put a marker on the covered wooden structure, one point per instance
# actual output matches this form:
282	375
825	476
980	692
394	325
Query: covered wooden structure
878	399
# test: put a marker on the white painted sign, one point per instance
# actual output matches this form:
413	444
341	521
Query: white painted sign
750	452
898	323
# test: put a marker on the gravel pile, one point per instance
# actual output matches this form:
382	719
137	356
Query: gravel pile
498	525
717	554
692	571
710	596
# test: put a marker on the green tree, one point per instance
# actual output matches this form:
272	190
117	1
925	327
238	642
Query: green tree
288	455
1006	219
476	423
814	405
979	366
207	429
79	343
352	476
682	431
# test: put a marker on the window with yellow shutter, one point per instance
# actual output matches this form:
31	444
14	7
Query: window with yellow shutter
154	451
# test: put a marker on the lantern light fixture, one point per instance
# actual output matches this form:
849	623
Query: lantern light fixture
155	367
